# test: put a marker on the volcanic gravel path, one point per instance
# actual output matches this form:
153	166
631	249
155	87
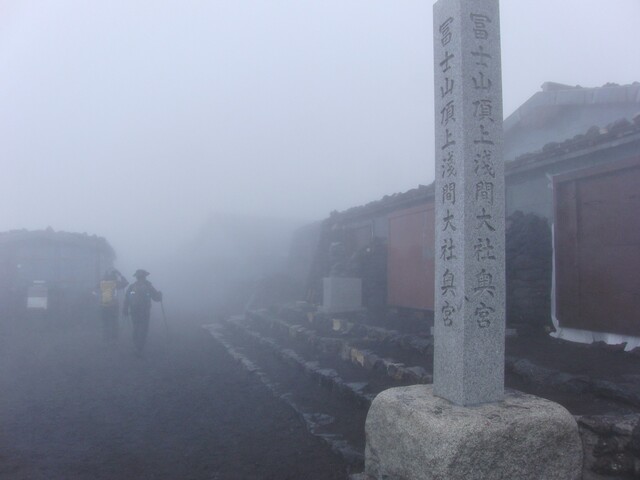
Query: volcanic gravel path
72	407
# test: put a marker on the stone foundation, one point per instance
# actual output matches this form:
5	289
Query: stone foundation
413	435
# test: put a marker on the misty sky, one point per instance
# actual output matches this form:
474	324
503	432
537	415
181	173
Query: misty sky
135	119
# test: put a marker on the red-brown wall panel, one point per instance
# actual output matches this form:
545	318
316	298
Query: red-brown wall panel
411	261
597	248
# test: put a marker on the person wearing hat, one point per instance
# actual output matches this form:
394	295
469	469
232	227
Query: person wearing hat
137	303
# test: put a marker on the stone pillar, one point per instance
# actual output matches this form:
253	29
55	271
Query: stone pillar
470	262
465	427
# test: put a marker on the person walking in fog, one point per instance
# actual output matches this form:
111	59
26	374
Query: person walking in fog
111	283
137	304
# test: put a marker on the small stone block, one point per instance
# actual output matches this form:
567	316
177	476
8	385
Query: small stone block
414	435
341	294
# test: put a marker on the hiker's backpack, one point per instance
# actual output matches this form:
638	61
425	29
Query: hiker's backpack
108	292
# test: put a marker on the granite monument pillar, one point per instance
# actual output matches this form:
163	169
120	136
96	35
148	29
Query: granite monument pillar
465	426
470	281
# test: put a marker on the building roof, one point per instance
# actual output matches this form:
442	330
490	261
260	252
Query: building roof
554	95
387	203
616	133
69	238
560	111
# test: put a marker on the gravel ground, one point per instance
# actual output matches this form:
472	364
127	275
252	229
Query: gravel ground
73	408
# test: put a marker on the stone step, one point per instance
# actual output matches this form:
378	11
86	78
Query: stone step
388	351
334	405
344	380
625	394
411	342
346	345
331	408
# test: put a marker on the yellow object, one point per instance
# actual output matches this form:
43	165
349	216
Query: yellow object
108	292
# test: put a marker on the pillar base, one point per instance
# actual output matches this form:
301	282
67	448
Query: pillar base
414	435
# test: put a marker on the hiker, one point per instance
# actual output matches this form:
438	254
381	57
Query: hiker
137	303
109	307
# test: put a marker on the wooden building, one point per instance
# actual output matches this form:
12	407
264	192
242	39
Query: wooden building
50	274
586	188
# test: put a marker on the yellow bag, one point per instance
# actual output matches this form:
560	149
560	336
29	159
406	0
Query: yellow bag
108	293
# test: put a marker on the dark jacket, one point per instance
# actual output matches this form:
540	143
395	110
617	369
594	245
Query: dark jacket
137	299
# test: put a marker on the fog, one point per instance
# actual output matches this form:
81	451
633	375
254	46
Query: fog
143	121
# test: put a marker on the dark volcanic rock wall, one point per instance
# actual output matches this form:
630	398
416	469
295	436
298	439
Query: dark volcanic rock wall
611	447
528	265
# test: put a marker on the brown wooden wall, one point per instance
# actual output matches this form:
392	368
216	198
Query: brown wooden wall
411	261
597	248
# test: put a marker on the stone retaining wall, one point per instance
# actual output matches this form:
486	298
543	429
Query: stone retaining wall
611	446
528	270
